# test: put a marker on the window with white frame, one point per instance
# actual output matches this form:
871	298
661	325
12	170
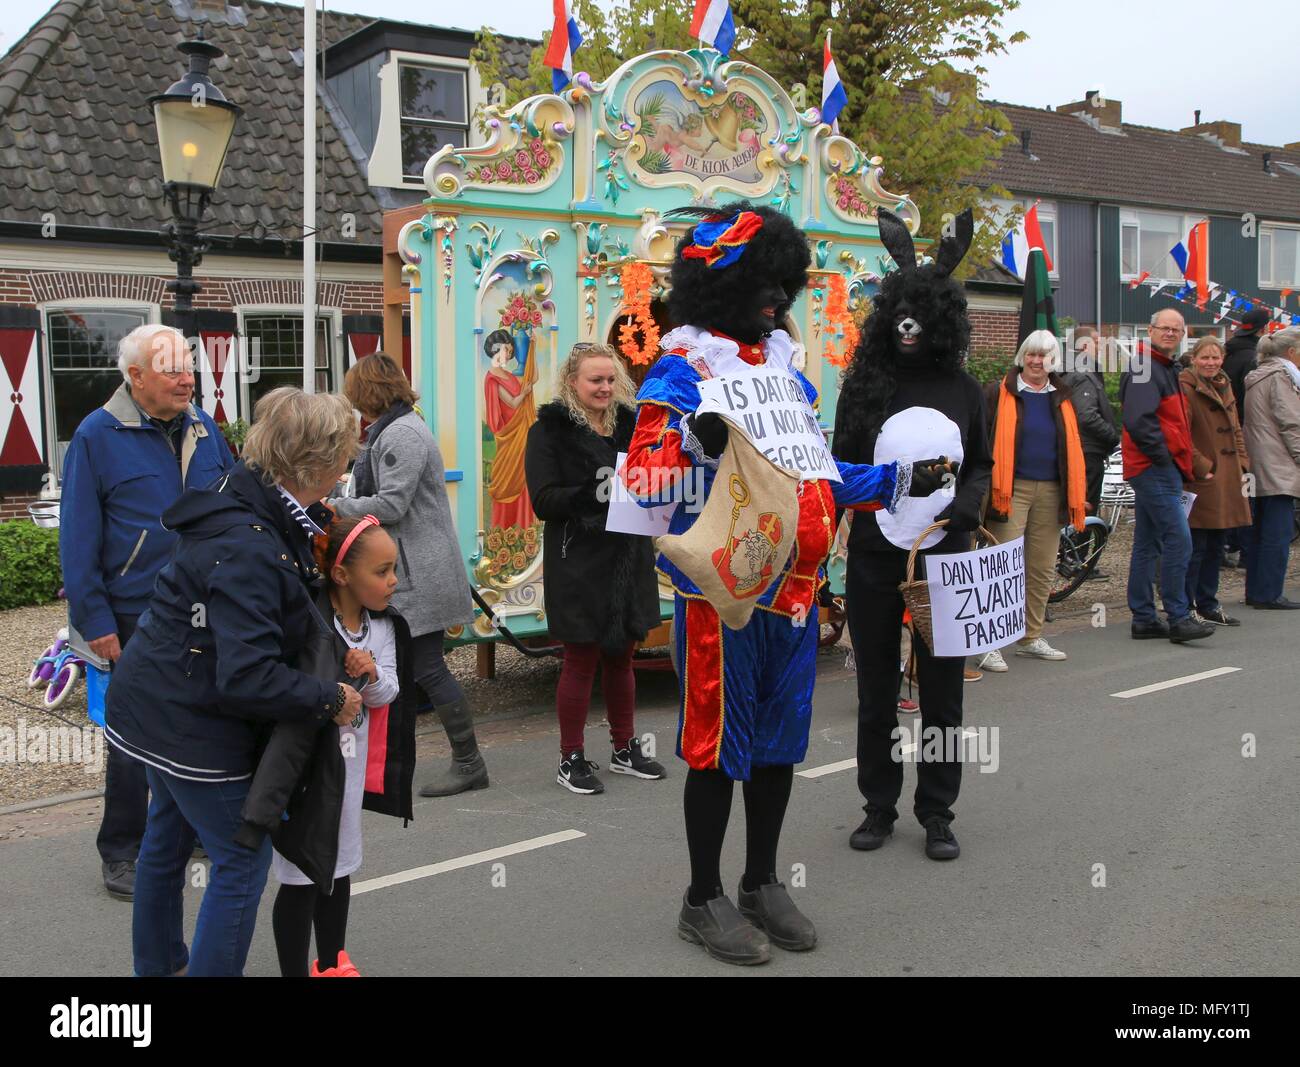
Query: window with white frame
1145	240
434	113
273	346
1279	257
82	348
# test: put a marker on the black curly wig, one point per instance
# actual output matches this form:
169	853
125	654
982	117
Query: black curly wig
770	273
918	326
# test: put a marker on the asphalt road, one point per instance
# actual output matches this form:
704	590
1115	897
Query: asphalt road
1196	842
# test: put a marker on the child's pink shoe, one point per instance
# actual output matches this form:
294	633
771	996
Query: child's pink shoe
344	969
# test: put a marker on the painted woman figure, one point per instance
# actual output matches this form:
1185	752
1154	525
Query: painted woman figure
510	412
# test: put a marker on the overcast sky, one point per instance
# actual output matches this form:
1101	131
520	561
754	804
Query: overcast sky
1233	59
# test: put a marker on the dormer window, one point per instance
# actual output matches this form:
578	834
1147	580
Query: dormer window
434	113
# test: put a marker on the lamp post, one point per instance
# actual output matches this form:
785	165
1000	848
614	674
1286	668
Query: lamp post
195	123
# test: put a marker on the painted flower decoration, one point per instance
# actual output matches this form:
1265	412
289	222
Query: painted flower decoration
503	169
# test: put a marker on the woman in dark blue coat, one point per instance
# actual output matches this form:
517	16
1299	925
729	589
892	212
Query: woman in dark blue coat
210	672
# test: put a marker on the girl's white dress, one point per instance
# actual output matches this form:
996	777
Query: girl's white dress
380	640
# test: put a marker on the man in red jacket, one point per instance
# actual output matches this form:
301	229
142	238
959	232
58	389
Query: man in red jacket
1157	448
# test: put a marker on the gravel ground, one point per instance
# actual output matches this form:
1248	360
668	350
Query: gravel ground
522	686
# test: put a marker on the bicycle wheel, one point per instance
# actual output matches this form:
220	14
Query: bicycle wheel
1076	558
61	685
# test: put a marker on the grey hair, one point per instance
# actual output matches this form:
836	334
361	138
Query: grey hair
136	347
1043	341
1282	342
1157	315
298	437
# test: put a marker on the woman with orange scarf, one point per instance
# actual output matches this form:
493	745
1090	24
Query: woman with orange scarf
1039	480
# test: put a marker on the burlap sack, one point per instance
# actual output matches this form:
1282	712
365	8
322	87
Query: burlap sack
744	535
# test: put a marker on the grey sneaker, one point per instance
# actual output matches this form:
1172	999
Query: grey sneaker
770	908
1040	649
119	879
725	934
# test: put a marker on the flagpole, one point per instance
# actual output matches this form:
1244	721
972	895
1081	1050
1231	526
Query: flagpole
309	199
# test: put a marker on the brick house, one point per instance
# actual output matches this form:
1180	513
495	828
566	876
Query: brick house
81	205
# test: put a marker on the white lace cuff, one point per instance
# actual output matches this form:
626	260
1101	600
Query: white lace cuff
902	484
692	447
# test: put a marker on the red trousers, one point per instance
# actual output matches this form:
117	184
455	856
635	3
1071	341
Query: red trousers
573	694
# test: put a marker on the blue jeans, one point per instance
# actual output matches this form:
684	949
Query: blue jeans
1269	547
1203	570
1160	530
236	879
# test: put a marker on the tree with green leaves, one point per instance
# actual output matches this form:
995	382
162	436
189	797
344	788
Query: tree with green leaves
899	61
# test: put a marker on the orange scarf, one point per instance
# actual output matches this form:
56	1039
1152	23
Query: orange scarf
1004	458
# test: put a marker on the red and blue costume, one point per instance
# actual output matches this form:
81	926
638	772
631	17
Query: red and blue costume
746	695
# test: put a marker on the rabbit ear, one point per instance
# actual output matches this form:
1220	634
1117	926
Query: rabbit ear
897	240
952	249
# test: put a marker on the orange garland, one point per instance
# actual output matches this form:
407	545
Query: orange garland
637	282
839	319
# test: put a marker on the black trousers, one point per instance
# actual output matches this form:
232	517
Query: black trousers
126	791
1094	466
875	609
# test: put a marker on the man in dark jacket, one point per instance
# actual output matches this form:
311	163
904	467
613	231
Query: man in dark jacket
1238	361
127	462
1098	432
1157	446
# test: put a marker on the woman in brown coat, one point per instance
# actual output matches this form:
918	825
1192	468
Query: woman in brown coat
1218	462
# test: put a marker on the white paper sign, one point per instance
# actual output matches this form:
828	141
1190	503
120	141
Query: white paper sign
1189	499
625	515
977	599
770	406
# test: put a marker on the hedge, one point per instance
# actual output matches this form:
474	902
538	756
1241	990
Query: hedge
29	565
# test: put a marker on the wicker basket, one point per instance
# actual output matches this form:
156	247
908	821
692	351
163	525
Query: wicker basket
916	594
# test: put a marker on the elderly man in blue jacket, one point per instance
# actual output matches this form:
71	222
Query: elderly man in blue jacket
127	462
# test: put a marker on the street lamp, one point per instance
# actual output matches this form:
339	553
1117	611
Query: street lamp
195	123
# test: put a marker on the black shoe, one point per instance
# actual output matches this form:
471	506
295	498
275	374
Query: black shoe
1218	618
939	842
1148	631
119	878
576	775
1280	604
630	760
725	934
1189	629
873	832
1098	576
770	908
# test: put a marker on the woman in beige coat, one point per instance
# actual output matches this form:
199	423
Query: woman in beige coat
1219	460
1273	440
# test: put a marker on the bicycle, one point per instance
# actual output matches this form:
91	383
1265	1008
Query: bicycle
1076	556
59	669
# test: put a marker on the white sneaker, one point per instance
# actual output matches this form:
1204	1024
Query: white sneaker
1040	649
992	661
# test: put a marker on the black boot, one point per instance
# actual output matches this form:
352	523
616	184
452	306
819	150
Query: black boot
467	770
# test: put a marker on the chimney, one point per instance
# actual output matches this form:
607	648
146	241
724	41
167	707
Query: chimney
1228	133
1268	159
1024	141
1196	120
1106	113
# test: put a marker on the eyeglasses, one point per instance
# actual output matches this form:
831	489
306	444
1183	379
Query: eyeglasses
1166	329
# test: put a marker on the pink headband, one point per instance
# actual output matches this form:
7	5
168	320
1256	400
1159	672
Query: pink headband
357	531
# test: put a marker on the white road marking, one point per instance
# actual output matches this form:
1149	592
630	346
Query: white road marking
1188	679
849	764
416	873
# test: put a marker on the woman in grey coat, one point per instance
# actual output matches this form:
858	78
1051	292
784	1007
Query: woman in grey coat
400	479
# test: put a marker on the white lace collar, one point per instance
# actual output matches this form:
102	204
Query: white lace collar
712	356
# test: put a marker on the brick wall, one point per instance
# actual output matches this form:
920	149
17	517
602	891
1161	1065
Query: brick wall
993	342
15	506
28	288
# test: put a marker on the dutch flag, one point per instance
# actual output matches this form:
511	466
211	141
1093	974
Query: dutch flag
1017	243
1192	256
565	38
713	24
833	95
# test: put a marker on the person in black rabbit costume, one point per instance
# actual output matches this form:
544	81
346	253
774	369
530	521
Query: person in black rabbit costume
905	395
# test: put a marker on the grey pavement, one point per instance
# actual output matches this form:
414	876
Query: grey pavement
1198	842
